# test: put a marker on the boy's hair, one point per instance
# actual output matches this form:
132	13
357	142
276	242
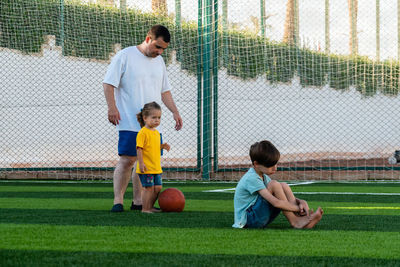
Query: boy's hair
159	31
145	111
265	153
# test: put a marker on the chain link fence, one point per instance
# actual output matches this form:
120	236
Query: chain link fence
320	79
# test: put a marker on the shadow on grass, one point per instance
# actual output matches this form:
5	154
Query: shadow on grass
186	219
84	258
105	195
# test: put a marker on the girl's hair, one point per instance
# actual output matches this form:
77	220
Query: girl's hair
265	153
146	110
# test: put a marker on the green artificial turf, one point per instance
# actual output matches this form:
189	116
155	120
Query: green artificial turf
65	224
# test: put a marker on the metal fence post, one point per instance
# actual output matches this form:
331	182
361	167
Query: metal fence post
207	38
215	86
262	17
178	28
199	80
62	26
225	30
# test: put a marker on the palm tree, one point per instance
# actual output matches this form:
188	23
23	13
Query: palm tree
159	7
353	40
378	40
398	29
291	28
122	5
327	38
109	3
256	24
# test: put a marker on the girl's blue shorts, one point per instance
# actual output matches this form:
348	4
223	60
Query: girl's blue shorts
149	180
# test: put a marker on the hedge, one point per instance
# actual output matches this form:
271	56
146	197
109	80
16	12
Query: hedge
90	31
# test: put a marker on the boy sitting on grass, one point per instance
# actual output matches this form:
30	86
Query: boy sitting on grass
258	200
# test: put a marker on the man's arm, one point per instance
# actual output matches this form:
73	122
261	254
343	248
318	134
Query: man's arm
278	203
113	113
169	102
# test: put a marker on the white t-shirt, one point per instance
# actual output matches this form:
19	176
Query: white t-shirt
138	80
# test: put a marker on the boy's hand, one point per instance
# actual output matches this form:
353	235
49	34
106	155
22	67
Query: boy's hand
303	206
165	146
142	168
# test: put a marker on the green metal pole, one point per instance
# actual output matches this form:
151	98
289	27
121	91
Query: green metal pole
207	38
199	79
225	30
62	26
178	26
215	86
262	17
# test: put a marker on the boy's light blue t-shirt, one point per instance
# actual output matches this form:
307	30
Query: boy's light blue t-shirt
246	195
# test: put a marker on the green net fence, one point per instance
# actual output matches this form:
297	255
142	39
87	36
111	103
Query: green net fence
320	79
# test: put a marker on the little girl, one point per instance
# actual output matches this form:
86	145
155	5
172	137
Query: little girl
149	146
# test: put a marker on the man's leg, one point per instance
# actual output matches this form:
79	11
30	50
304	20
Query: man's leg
137	189
122	174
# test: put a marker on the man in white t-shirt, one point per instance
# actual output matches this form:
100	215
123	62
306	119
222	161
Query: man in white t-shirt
136	75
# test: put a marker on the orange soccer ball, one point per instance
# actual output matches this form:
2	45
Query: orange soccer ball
171	200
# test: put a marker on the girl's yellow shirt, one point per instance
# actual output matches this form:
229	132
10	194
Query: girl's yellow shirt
150	142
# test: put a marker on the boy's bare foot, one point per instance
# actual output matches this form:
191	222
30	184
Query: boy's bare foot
301	222
315	218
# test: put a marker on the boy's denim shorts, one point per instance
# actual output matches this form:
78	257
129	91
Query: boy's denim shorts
149	180
127	143
261	214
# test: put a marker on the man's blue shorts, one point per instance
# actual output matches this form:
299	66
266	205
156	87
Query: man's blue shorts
127	143
149	180
261	214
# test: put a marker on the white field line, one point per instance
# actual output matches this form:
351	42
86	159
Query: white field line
232	190
301	183
366	208
227	190
347	193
